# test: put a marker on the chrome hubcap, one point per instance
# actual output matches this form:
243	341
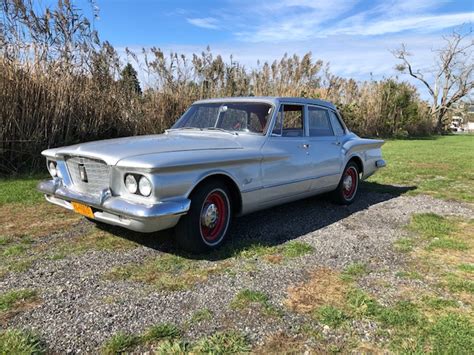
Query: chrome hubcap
347	182
209	215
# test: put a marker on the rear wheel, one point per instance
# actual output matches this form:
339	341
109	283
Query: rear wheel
205	225
348	187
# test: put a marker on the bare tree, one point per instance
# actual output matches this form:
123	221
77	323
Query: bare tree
452	78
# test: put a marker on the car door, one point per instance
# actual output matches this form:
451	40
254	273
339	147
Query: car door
325	148
286	166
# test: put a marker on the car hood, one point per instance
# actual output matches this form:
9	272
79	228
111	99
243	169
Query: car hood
113	150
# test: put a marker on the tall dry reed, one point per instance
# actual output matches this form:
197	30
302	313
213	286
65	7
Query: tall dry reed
59	84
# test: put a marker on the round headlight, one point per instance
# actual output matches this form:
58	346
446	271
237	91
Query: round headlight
144	186
52	169
131	183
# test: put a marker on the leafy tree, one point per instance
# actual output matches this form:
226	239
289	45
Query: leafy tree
130	80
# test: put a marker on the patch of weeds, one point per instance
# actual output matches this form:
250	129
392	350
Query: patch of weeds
167	272
57	256
361	305
14	298
309	330
14	341
201	315
19	265
330	316
4	240
457	284
246	297
447	243
161	332
295	249
466	267
14	250
172	347
403	313
404	245
431	225
256	250
354	271
452	334
120	343
273	254
223	343
439	303
412	275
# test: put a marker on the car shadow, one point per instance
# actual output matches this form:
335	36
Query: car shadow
272	226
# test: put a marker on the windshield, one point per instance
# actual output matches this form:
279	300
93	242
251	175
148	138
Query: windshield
234	117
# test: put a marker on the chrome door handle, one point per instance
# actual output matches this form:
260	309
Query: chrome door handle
305	146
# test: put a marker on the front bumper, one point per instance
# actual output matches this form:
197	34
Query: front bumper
117	211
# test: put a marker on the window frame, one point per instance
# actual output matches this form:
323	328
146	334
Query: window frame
275	121
329	121
341	122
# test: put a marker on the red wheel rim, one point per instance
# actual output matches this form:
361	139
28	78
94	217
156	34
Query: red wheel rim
349	182
214	214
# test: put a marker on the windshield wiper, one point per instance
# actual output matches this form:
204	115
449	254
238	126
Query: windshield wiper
220	129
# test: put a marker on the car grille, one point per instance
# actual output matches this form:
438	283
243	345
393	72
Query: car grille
97	171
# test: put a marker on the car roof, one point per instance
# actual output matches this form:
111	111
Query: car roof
270	99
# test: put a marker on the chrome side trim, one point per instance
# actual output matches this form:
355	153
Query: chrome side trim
289	182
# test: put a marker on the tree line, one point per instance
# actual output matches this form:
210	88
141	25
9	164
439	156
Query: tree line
60	84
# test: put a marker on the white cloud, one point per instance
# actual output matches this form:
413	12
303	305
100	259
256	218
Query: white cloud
204	22
424	23
300	20
291	19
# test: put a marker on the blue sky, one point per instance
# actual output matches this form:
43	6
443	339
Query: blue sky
354	36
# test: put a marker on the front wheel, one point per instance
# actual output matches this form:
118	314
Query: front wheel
205	225
348	187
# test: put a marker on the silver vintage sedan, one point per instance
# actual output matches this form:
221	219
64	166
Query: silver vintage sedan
223	158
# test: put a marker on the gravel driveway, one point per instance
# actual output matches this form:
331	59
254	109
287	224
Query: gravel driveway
79	308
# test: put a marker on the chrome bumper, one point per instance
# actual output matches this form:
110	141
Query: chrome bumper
117	211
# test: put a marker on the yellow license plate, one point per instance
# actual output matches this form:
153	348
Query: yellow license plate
83	209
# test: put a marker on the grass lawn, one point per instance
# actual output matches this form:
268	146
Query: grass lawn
442	166
437	318
21	190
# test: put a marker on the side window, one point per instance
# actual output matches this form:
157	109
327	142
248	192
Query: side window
318	120
336	124
289	121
